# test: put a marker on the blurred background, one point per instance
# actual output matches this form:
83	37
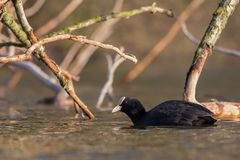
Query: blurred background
164	78
31	131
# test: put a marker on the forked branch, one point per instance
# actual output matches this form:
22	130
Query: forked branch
25	35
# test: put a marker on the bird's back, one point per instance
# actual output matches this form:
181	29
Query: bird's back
178	113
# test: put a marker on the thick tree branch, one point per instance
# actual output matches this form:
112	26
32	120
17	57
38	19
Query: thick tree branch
8	19
217	24
163	43
21	15
216	48
63	78
224	110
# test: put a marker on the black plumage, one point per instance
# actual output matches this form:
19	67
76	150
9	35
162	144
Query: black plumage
169	113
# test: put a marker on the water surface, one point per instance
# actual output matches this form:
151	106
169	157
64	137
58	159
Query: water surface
43	132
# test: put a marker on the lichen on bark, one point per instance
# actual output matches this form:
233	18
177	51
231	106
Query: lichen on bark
212	34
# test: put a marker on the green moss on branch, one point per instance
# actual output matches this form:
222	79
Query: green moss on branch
212	34
8	19
124	14
217	24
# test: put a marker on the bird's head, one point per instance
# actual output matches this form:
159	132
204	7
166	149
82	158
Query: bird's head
131	106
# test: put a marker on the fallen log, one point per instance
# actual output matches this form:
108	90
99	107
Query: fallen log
224	110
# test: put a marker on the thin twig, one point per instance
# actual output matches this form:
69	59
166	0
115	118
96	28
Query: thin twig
100	35
50	25
82	40
22	57
123	14
8	44
112	66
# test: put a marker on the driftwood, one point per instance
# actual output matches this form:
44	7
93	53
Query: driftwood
226	110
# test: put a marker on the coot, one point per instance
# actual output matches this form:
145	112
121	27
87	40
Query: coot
169	113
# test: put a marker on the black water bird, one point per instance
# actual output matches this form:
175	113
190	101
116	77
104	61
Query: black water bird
169	113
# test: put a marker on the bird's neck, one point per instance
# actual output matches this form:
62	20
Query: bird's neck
137	116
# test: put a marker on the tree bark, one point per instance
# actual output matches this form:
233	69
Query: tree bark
217	24
221	110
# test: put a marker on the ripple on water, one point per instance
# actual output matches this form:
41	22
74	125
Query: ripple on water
47	133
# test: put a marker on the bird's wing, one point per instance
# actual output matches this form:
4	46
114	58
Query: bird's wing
166	113
179	112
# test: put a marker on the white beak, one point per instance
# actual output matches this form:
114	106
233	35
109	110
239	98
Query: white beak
116	109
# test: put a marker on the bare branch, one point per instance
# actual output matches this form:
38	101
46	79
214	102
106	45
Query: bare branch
112	66
64	79
21	15
8	19
39	74
224	110
100	35
124	14
82	40
163	43
8	44
50	25
213	32
22	57
217	48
